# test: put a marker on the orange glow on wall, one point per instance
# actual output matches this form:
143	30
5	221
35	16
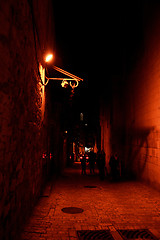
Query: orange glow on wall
42	73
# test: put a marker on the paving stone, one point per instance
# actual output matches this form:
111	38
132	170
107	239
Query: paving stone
123	205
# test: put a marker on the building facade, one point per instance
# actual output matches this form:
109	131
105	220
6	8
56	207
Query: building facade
130	121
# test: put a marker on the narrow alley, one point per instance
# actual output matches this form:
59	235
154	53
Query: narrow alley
80	84
106	206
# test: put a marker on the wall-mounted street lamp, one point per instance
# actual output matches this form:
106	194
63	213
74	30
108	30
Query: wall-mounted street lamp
48	58
72	81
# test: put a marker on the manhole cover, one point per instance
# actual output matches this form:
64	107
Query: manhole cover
94	234
137	234
72	210
90	186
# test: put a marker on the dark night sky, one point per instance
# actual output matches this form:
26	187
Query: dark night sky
94	39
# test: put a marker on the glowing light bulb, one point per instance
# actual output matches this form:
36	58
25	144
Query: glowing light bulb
49	57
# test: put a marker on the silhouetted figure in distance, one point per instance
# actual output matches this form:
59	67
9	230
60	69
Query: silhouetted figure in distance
83	164
92	161
113	163
101	163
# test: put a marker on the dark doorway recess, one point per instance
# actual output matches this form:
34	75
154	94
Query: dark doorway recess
90	186
136	234
72	210
94	234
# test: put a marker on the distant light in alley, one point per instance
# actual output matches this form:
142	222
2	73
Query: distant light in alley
81	116
49	57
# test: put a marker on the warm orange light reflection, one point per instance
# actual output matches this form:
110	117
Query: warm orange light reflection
42	73
49	57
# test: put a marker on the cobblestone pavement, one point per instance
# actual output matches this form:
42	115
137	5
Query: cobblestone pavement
112	206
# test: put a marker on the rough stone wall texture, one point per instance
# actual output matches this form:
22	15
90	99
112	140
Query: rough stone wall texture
23	32
143	108
134	129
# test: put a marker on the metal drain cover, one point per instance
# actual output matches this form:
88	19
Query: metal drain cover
94	234
72	210
136	234
90	186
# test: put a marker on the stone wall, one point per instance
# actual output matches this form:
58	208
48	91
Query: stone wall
23	135
143	107
130	124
